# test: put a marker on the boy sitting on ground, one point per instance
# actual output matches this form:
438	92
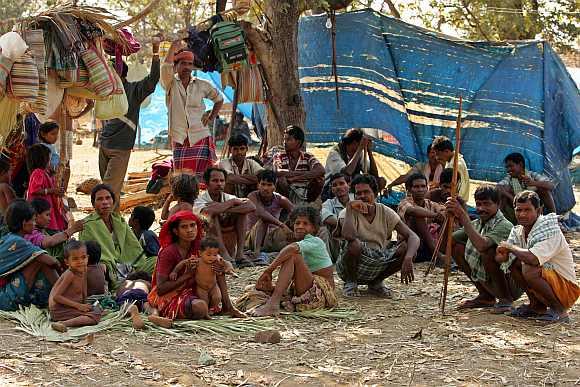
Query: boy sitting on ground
267	231
184	190
205	277
96	271
68	295
518	180
140	221
540	260
305	264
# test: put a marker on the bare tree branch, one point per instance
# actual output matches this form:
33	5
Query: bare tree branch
392	8
474	21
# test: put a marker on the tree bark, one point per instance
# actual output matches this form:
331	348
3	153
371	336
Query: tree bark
277	51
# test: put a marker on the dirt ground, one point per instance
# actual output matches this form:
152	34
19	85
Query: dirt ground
403	341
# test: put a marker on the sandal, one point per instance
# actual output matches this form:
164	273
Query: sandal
380	291
552	317
501	307
476	303
350	289
523	311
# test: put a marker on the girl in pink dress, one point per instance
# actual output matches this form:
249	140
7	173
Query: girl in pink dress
41	185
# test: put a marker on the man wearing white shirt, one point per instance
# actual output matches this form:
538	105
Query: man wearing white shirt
191	141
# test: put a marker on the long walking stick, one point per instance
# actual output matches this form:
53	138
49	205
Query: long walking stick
451	218
437	247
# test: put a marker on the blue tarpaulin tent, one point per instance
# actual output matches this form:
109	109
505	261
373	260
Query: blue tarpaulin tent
402	83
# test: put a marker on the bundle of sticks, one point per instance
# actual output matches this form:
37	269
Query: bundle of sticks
448	224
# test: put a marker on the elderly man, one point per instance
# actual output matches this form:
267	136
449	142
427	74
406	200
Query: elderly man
300	174
192	143
474	251
118	242
369	255
227	213
118	135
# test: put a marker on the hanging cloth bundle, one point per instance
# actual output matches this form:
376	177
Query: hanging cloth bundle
229	45
129	46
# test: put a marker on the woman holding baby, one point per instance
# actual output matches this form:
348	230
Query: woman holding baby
180	240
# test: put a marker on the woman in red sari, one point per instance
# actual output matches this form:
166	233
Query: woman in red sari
180	239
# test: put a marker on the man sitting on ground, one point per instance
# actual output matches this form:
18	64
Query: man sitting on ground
445	152
241	170
369	255
474	251
348	157
227	213
331	208
540	260
300	174
431	169
441	194
518	180
267	232
422	215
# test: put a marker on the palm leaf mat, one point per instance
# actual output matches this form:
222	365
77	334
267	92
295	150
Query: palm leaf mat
35	322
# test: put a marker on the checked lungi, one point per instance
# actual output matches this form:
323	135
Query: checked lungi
194	159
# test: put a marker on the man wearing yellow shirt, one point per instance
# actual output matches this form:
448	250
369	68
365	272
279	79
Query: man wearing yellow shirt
445	153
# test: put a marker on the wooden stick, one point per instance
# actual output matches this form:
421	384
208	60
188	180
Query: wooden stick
332	16
451	218
226	148
437	247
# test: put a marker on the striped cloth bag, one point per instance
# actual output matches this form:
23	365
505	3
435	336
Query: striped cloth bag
35	41
23	82
250	88
101	78
78	77
5	67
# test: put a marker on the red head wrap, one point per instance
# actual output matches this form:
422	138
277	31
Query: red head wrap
166	236
183	55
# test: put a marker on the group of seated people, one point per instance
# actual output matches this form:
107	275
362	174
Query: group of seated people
314	219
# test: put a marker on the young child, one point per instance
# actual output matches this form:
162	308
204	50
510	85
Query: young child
184	190
205	277
136	288
53	242
42	185
48	136
140	221
66	302
96	271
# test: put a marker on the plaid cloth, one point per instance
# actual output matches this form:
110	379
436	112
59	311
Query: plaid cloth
518	186
497	229
372	262
546	227
195	159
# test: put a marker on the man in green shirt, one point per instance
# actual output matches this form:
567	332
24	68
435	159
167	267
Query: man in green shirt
474	248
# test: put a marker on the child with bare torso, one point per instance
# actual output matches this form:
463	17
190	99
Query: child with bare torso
205	276
184	190
67	298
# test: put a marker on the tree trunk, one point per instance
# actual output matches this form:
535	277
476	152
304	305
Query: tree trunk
277	50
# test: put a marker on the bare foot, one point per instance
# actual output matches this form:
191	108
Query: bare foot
136	319
266	310
234	312
161	321
59	327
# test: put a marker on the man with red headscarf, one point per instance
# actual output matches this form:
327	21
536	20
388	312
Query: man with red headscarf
191	140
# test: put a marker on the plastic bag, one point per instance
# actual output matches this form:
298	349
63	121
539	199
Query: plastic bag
12	45
115	106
